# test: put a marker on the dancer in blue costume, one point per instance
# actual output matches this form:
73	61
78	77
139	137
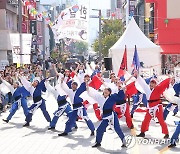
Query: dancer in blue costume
35	89
107	101
175	136
20	95
78	108
63	104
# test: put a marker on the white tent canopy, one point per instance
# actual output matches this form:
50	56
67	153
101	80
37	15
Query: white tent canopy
149	53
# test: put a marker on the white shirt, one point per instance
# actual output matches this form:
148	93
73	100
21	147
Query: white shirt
70	92
27	85
99	98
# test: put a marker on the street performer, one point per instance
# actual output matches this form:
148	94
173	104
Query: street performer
155	108
35	89
78	108
109	117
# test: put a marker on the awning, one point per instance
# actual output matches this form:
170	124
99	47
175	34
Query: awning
149	1
170	49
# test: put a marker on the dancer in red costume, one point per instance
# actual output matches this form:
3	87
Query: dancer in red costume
155	107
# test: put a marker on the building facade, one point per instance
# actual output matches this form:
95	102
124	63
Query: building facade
166	19
8	18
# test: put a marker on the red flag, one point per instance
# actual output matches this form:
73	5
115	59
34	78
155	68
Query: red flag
131	89
123	64
72	74
95	82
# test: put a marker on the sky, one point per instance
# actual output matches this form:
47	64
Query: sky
97	4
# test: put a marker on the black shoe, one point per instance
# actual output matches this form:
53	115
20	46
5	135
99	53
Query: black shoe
123	146
174	114
51	128
63	134
92	133
5	120
166	136
141	135
26	124
131	115
172	145
76	127
96	145
132	127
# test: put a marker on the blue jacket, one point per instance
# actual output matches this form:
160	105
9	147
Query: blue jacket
61	100
108	105
77	99
177	89
40	87
20	92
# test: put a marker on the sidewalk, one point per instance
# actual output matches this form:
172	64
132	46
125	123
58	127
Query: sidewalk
36	139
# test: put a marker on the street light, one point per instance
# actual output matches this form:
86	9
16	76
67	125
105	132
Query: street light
20	27
100	39
44	48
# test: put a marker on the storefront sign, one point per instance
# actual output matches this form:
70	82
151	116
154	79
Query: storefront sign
21	56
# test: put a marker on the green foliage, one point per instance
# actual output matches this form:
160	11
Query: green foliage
80	47
54	54
112	30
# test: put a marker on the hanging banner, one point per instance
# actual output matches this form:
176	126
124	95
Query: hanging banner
39	37
24	57
39	28
33	27
72	23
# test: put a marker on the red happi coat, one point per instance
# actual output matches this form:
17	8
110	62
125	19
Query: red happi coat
156	93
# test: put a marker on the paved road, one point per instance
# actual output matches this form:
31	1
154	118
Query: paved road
14	139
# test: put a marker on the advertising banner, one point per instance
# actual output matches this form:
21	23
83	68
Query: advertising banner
72	23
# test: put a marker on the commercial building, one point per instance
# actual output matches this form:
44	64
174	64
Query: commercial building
166	18
8	18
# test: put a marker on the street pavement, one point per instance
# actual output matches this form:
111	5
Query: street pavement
37	139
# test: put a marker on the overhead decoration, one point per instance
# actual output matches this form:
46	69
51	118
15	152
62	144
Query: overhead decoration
72	23
37	15
147	19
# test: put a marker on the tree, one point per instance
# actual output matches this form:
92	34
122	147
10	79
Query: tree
80	47
112	30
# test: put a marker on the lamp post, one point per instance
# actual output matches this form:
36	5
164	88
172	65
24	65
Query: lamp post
44	47
100	38
20	27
